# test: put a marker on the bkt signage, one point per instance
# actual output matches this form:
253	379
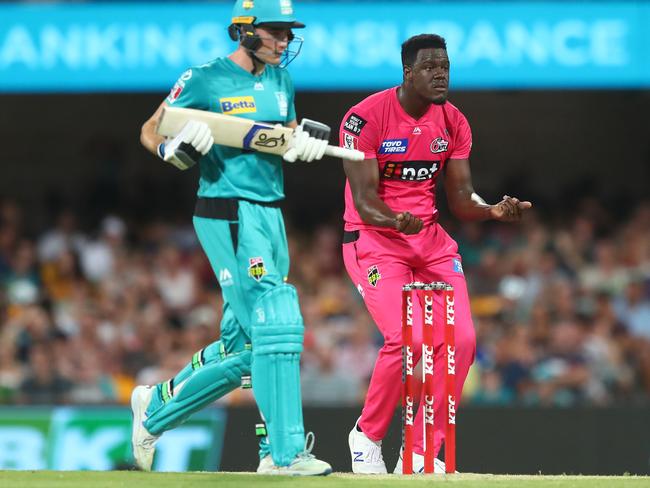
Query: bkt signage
77	438
145	47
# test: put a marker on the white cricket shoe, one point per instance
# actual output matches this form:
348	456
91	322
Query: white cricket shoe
266	465
304	464
366	453
142	442
418	464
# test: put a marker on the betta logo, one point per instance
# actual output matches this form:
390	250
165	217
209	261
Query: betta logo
427	352
238	105
410	170
451	359
451	410
439	145
428	409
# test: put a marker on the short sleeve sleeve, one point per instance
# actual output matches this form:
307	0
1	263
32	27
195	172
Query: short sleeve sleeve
463	139
188	91
358	132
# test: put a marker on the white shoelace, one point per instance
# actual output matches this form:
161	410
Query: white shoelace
310	439
374	454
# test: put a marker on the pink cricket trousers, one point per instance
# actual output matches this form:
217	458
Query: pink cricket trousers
380	263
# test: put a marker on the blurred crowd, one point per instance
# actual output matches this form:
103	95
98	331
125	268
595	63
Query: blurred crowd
561	306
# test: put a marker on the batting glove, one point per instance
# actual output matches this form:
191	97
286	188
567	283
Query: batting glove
310	139
184	151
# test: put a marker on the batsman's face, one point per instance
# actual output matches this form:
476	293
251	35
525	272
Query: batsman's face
274	43
429	75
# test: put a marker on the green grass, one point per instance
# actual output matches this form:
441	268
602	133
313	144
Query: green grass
136	479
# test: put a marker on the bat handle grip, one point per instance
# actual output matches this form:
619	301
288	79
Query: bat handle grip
344	153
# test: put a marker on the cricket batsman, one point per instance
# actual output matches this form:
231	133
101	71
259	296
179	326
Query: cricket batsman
240	227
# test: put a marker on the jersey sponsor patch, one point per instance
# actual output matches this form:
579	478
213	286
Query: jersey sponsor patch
178	87
256	268
350	142
238	105
393	146
439	145
175	92
410	170
373	275
354	124
458	266
283	104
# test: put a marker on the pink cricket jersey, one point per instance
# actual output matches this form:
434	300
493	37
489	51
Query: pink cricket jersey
410	153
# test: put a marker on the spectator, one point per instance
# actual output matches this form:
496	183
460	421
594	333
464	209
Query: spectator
43	384
562	314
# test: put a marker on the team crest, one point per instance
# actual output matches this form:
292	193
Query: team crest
439	145
256	268
285	7
373	275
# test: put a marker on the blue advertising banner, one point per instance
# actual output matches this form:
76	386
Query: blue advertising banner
504	45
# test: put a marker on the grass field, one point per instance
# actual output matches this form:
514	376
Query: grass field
128	479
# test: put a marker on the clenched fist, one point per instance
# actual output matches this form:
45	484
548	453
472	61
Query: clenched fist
407	223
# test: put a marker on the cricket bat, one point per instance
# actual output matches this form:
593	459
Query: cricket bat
232	131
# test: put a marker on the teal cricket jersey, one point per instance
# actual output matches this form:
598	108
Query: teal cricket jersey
224	87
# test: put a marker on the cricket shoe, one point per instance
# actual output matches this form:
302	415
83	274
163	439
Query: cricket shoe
418	464
142	442
304	464
366	453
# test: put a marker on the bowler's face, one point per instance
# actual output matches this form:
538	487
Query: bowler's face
430	75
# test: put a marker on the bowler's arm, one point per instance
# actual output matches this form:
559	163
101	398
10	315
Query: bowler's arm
467	205
364	182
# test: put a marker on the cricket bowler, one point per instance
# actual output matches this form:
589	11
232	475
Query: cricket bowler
411	136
